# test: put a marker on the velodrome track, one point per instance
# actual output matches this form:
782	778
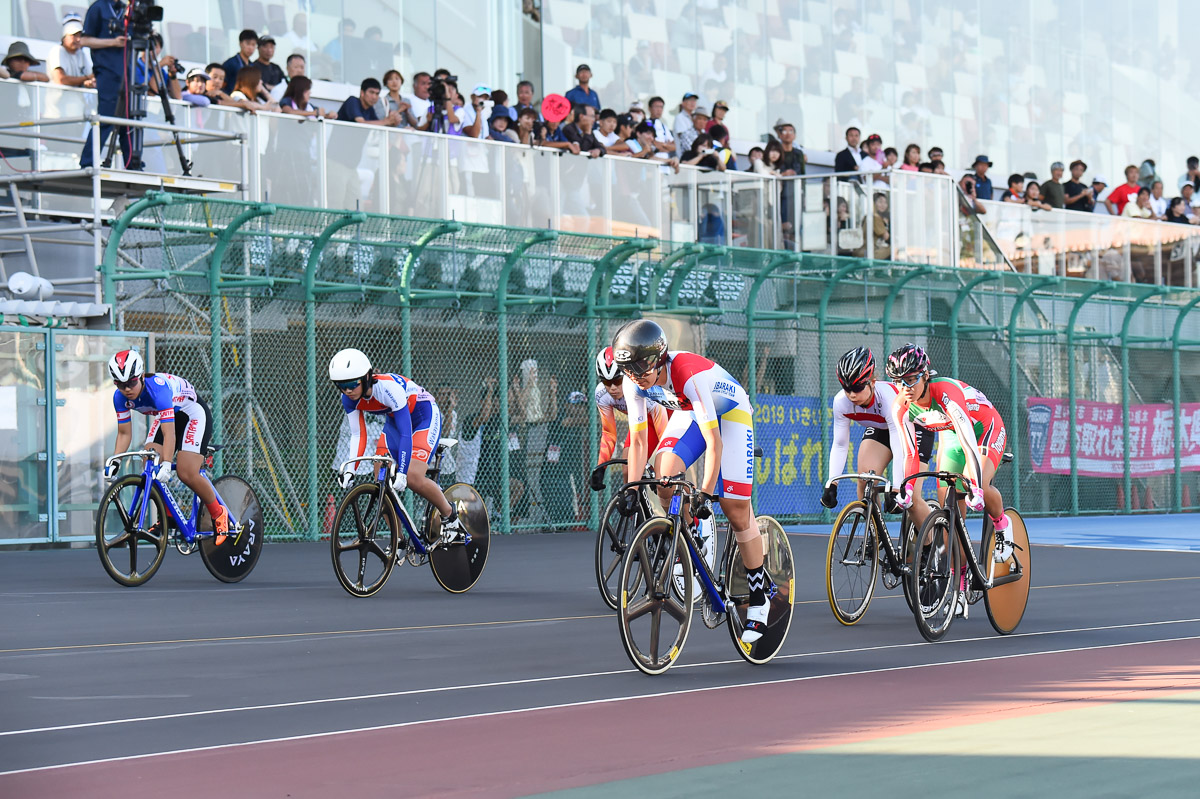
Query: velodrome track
286	686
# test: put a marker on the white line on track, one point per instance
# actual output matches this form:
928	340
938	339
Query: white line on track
585	675
609	700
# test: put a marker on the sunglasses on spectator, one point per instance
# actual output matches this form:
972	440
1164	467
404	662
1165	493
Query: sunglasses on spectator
130	383
346	385
916	378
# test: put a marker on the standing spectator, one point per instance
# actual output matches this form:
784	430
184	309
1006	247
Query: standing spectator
1158	203
1119	197
872	159
1077	195
1099	188
664	140
772	161
850	159
536	406
525	98
720	109
295	68
554	135
249	90
564	473
699	118
346	147
875	152
197	79
214	89
421	106
1192	175
272	74
582	134
912	158
1052	190
1015	191
683	120
70	64
298	148
18	63
890	157
247	43
1139	207
971	206
792	160
983	184
1033	197
500	98
392	100
582	94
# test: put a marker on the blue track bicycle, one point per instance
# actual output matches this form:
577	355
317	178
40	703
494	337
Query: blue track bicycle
138	518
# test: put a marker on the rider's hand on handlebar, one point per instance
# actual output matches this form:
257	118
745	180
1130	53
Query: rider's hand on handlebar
829	496
597	480
164	472
629	502
702	505
904	497
399	481
345	479
110	470
975	500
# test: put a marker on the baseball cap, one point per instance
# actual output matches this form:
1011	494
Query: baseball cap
636	105
481	91
71	26
720	104
1057	165
690	95
783	123
625	119
874	137
197	72
582	67
701	111
1100	179
266	39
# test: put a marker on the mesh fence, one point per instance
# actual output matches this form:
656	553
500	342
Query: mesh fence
502	324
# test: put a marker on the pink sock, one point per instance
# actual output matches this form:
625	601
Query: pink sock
1000	524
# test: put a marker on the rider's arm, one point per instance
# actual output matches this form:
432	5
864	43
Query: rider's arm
358	427
608	432
399	439
841	437
954	402
906	455
639	440
124	436
696	390
168	436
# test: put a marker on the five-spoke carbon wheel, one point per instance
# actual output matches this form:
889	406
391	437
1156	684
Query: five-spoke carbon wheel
654	621
612	541
131	544
364	539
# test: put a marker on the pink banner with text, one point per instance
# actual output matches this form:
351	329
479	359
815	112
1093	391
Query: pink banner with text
1100	443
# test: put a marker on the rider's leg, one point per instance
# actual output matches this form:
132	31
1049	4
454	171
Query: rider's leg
667	464
872	457
187	466
425	488
993	501
745	530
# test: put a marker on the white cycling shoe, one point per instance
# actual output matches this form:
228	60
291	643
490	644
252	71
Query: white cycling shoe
1004	543
453	532
756	622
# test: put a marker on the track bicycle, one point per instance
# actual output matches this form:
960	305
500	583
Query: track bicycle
935	579
861	550
616	530
656	607
373	531
139	515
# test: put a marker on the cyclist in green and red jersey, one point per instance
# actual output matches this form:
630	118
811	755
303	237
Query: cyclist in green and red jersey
970	442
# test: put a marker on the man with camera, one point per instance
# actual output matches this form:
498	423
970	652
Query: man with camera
104	34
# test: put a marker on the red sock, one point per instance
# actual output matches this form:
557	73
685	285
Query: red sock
214	508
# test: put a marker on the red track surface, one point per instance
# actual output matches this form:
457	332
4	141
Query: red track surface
599	742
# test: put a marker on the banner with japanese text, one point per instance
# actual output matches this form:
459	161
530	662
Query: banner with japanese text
1100	440
791	473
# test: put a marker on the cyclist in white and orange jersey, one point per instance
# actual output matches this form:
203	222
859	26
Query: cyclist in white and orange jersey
610	400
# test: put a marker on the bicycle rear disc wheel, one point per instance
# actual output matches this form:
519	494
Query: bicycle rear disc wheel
238	553
457	567
781	571
612	541
654	622
934	576
1006	603
851	563
363	556
130	553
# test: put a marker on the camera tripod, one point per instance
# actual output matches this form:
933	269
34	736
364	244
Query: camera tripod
136	96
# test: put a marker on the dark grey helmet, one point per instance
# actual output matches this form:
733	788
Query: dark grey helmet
640	346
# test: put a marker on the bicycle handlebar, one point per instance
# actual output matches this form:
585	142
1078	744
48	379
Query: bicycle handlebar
386	459
869	477
677	481
941	477
141	453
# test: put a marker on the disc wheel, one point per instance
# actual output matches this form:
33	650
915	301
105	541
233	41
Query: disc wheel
457	567
934	577
131	552
238	553
851	563
1006	603
781	572
363	549
612	541
654	622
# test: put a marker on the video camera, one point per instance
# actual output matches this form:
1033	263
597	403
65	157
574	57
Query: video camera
437	90
141	16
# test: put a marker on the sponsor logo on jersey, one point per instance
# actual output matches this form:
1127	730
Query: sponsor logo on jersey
160	381
129	403
722	387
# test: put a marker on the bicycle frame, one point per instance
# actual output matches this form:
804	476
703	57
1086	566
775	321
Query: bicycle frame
141	498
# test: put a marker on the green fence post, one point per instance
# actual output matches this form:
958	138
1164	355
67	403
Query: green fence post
963	294
1080	301
410	261
214	313
153	199
540	237
679	253
1014	439
1127	478
1176	396
310	356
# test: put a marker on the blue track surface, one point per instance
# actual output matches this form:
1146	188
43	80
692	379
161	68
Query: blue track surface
1175	532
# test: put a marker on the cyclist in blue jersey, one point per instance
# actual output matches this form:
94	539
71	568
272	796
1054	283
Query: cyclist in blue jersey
180	427
411	429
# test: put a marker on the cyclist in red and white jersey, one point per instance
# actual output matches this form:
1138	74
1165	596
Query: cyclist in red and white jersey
610	400
180	427
711	413
411	430
869	402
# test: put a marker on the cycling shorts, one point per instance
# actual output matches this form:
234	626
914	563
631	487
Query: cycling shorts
991	443
925	440
192	430
426	433
736	476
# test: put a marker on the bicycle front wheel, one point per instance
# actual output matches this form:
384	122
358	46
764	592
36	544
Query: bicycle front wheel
131	548
612	541
781	582
654	621
934	577
238	553
363	547
851	563
1006	602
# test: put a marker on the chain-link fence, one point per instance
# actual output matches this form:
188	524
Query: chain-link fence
502	326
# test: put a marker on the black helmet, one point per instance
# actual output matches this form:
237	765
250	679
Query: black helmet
909	359
640	346
855	368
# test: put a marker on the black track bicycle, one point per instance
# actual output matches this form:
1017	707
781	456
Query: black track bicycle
616	531
935	581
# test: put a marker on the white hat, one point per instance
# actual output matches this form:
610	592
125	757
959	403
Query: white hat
71	26
1100	179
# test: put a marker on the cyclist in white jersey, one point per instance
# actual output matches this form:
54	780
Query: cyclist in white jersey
180	427
610	400
869	402
711	413
411	429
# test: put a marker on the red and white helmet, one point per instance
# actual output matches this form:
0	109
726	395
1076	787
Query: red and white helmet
606	366
126	365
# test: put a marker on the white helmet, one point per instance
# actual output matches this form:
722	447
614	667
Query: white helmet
607	368
126	365
349	364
